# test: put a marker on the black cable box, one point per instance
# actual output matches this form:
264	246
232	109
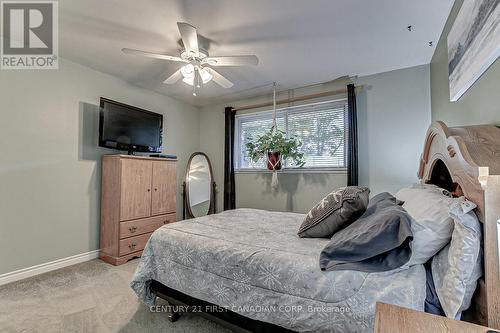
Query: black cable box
163	156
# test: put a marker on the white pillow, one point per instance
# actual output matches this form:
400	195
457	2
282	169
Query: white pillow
456	268
432	227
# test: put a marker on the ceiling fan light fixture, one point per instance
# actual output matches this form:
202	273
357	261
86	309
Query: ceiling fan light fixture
205	75
189	81
187	72
194	58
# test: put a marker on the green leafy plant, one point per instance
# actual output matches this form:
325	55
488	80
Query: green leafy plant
275	141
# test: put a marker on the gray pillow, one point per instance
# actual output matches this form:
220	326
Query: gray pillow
336	211
458	266
378	241
429	206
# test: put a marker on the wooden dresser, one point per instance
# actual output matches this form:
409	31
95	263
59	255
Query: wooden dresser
137	197
394	319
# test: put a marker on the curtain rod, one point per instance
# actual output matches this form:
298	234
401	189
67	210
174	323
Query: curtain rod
294	99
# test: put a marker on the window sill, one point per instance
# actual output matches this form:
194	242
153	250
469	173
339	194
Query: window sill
342	171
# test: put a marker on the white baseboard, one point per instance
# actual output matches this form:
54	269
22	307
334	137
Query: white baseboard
47	267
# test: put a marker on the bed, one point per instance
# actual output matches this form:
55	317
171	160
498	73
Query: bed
252	262
248	269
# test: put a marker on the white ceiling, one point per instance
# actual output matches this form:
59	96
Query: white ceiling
298	42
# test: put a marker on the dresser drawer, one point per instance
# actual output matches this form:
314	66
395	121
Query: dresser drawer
133	244
142	226
170	218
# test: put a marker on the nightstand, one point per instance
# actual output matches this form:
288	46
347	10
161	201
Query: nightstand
394	319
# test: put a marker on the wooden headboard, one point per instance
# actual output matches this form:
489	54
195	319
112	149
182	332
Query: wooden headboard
470	157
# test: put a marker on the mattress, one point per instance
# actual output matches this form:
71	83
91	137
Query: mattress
253	263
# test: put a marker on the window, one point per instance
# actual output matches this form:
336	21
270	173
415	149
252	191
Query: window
320	127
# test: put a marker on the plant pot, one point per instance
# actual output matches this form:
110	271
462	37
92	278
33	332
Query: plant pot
273	159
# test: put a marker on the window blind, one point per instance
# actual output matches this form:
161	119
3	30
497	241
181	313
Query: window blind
320	127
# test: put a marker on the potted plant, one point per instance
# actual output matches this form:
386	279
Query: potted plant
277	148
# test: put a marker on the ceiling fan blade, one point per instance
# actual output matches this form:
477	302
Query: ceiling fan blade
152	55
243	60
189	38
174	77
219	79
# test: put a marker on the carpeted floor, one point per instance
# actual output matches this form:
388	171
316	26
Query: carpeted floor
89	297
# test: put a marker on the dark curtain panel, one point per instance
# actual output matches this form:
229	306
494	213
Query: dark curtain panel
352	144
229	186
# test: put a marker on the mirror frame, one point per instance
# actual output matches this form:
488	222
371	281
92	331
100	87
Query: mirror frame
188	213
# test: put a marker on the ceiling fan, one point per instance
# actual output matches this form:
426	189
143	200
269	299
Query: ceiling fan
198	68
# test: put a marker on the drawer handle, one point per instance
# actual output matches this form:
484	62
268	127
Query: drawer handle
156	189
132	229
149	190
132	246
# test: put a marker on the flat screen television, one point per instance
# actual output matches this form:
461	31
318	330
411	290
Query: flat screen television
125	127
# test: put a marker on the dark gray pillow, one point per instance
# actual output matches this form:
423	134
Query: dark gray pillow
378	241
336	211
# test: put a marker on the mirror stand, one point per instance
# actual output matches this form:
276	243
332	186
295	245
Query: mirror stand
213	208
199	188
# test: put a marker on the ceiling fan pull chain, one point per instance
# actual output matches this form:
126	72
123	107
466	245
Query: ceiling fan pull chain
197	77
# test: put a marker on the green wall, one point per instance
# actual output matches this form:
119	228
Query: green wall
50	165
479	105
297	191
393	117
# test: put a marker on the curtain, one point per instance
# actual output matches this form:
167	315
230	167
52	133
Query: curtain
229	185
352	143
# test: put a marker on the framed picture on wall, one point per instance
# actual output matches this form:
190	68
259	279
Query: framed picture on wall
473	44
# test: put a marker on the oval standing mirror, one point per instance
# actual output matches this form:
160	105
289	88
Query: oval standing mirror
199	187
